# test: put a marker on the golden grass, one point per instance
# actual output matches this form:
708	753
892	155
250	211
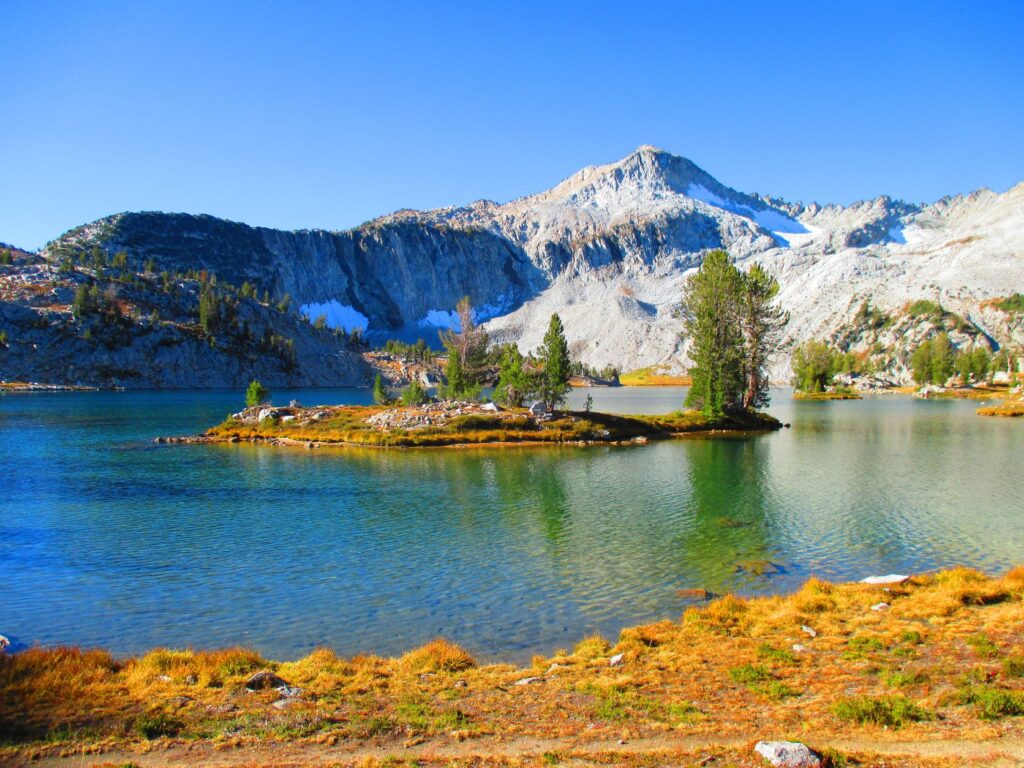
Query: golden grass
798	395
1010	408
654	376
942	663
438	655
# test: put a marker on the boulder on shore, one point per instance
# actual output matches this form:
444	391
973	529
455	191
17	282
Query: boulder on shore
788	754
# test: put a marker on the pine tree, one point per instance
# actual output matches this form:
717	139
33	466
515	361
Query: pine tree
209	309
763	323
942	359
711	310
921	363
515	382
555	365
82	305
256	394
457	385
380	394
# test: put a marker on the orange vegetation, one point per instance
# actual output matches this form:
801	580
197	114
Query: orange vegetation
941	665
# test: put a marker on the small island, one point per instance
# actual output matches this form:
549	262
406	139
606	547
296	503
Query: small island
1012	406
454	423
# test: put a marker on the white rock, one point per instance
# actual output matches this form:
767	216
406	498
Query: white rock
616	660
788	754
808	630
529	681
880	607
797	648
288	691
892	578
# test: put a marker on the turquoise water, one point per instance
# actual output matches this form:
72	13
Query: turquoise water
109	539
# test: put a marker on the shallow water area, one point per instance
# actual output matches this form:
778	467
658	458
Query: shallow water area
107	539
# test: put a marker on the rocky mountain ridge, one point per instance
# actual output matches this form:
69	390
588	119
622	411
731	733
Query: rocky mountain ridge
608	248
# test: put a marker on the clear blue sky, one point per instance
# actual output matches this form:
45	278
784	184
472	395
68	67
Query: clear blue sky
323	115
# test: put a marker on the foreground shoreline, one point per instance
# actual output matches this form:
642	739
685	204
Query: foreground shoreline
910	669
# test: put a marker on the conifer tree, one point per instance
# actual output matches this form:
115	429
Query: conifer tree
555	364
711	310
763	322
380	394
515	382
256	394
457	386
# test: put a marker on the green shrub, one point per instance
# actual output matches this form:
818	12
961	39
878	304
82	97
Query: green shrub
153	725
888	711
983	646
994	703
1014	303
767	652
749	673
414	394
902	678
925	307
1013	666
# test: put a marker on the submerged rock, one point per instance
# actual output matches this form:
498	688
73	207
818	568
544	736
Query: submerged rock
788	754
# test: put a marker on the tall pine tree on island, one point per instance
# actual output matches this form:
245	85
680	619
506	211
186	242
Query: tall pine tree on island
711	320
763	322
554	358
733	327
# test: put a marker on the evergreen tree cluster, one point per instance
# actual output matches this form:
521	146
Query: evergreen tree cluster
544	376
815	364
936	360
419	351
734	326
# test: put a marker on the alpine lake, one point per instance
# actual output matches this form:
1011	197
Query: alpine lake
108	539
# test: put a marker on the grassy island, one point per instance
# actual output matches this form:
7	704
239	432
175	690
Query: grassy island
923	672
1012	407
448	423
798	395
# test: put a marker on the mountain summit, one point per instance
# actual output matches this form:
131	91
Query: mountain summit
608	248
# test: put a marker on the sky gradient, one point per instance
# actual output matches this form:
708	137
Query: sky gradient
324	115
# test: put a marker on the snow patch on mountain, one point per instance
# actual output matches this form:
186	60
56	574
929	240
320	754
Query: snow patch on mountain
337	315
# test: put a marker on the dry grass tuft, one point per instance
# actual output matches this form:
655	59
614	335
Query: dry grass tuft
590	648
438	655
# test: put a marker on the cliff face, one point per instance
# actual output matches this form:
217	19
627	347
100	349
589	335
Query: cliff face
609	249
393	273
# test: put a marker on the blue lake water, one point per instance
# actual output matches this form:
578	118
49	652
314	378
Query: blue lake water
109	539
